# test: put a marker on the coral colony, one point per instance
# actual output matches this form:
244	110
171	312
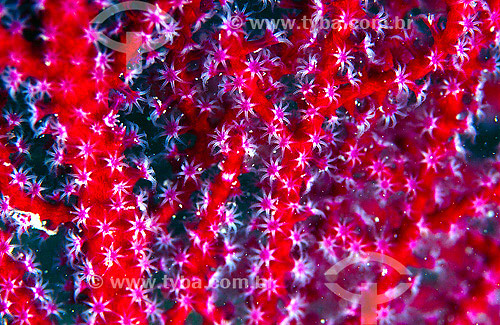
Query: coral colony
264	142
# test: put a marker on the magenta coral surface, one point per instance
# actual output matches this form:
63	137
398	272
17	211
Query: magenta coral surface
257	145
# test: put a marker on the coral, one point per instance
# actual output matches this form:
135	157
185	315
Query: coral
249	147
